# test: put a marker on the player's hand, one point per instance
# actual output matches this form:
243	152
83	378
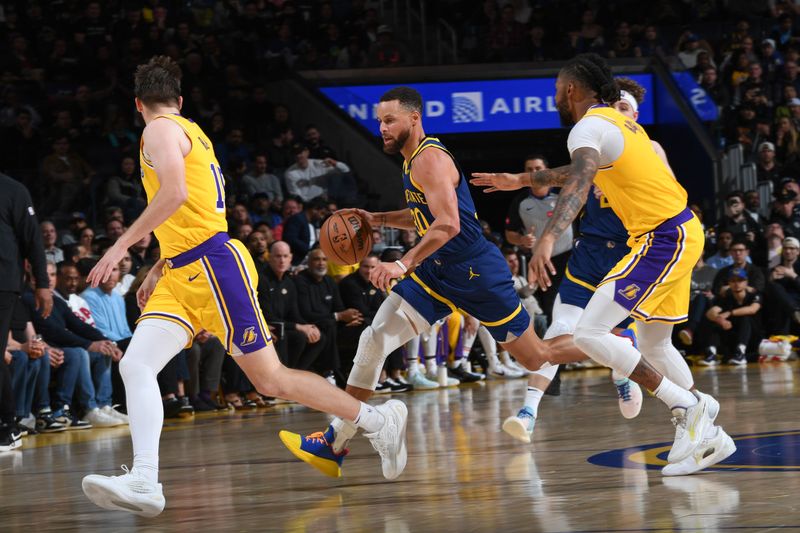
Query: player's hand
383	274
102	270
148	286
529	240
498	181
371	219
540	268
44	301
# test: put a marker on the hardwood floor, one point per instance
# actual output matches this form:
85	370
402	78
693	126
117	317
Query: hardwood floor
229	472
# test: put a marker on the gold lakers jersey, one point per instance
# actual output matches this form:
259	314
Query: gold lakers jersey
638	185
203	214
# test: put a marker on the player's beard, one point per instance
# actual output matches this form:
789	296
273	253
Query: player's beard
564	114
399	142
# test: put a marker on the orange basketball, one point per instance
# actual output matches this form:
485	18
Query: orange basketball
345	238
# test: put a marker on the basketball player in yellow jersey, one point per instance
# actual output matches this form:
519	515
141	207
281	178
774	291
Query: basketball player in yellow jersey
652	282
204	280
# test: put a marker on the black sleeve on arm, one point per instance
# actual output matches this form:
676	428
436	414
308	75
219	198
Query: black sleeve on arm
29	236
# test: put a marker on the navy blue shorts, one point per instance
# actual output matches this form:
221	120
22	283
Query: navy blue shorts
478	283
591	260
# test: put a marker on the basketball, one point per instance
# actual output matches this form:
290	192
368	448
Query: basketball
345	238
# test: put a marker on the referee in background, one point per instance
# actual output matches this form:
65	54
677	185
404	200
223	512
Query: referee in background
20	239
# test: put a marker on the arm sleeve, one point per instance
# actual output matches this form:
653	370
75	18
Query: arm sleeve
29	237
598	133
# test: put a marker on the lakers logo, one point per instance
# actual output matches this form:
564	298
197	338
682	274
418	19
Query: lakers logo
472	274
249	336
630	292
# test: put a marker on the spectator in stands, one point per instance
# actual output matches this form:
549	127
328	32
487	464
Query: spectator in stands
787	140
114	229
784	34
125	276
689	46
358	293
774	237
733	319
309	178
300	230
317	148
64	330
258	180
297	342
740	252
737	221
622	43
86	239
783	291
507	37
700	298
321	304
66	175
126	189
234	148
108	311
52	253
784	213
279	152
771	59
767	167
714	87
388	52
257	245
261	210
650	44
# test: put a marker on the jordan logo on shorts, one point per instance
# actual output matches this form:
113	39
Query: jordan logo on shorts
472	274
629	292
249	336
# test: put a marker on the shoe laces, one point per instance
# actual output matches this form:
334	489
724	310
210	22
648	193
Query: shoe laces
135	482
624	390
382	437
318	438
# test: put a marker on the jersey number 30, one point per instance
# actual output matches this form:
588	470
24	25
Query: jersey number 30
419	221
219	182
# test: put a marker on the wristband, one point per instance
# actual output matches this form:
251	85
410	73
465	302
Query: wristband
401	265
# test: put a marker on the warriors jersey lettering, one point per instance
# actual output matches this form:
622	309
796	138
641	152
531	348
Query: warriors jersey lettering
203	214
423	218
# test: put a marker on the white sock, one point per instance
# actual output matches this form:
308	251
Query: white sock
674	396
369	418
505	358
343	431
430	364
532	399
154	343
413	366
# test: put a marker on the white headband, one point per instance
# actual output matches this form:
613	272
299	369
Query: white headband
628	97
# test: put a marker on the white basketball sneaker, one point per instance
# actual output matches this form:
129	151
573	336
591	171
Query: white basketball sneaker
630	397
691	424
501	371
715	447
390	440
520	426
131	492
420	382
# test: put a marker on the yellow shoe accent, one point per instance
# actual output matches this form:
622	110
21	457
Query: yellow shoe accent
292	442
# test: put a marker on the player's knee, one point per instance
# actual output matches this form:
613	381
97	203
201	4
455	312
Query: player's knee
586	338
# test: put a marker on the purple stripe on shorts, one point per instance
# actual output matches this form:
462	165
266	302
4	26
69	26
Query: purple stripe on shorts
243	317
193	254
631	289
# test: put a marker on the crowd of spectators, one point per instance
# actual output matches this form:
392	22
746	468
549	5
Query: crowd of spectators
70	134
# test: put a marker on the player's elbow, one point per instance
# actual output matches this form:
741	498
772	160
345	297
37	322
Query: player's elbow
451	227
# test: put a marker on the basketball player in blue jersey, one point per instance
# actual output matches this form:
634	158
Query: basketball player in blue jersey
452	268
204	280
651	283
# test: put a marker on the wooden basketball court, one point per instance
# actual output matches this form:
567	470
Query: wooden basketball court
586	471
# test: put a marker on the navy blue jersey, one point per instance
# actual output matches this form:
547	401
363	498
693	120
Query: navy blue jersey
599	220
415	198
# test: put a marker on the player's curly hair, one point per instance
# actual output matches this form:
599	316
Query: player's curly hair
634	89
591	71
158	81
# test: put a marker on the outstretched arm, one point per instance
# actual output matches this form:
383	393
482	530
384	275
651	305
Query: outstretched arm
571	199
503	181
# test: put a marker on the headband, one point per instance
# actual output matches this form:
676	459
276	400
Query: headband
628	97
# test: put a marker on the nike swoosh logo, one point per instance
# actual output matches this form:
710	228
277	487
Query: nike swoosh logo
192	278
